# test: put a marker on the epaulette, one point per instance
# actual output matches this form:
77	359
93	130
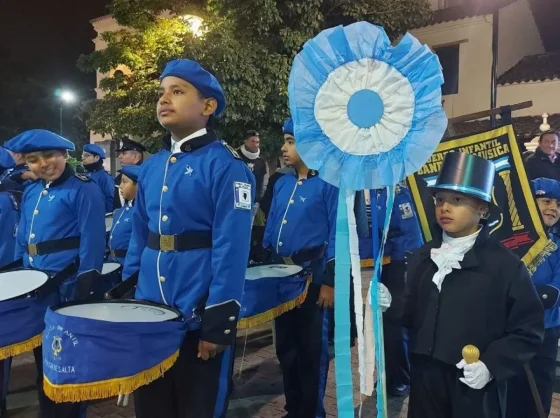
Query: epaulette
82	177
233	151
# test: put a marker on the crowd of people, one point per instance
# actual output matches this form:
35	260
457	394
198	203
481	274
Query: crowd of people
463	287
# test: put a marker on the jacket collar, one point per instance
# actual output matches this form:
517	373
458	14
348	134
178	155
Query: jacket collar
193	144
66	174
543	156
96	166
310	173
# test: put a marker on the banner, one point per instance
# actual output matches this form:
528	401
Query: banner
519	226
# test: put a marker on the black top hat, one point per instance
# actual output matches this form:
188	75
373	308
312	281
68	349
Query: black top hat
468	174
127	144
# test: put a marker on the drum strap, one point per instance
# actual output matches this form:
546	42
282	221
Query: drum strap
304	256
182	242
18	264
53	246
118	253
53	283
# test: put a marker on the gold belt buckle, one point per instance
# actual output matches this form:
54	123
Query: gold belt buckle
32	249
167	243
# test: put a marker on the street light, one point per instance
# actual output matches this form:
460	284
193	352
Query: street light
194	24
66	96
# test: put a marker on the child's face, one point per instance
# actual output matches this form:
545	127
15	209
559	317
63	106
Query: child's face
550	210
127	188
181	107
458	214
47	165
289	152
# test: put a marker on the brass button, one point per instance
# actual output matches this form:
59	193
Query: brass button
45	192
284	222
231	318
291	201
31	259
35	212
164	218
300	183
118	222
227	331
162	279
32	236
279	244
173	160
545	296
165	188
127	208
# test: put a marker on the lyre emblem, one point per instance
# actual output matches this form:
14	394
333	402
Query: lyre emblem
56	345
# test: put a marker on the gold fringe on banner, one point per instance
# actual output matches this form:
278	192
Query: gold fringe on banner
106	388
274	313
368	262
20	348
538	255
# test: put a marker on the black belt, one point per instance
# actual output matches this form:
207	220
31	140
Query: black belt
118	253
182	242
305	256
53	246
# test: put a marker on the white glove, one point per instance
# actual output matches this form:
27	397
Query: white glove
476	374
383	296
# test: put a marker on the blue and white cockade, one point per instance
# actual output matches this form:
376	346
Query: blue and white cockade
366	115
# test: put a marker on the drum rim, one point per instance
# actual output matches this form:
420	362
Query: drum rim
33	292
180	316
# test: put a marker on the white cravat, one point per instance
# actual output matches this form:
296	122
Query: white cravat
450	254
176	145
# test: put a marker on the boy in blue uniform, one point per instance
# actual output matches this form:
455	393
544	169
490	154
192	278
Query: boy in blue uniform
61	221
121	231
92	158
547	282
301	225
190	241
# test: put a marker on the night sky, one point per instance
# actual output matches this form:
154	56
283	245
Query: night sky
42	39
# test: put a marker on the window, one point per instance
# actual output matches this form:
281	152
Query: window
449	59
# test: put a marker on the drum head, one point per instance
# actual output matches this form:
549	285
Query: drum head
110	268
18	283
128	311
271	270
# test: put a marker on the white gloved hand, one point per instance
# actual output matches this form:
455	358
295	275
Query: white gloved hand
383	296
476	374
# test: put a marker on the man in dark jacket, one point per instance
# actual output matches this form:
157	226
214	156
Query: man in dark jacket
130	153
544	162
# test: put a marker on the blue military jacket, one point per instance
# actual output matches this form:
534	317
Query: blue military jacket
547	282
69	207
205	189
302	216
105	181
404	222
9	219
121	231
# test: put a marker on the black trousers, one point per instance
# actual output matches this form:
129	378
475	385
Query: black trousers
4	383
436	392
51	409
302	349
192	388
397	366
520	402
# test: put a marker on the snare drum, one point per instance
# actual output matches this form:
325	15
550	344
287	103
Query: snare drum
111	275
22	310
101	349
270	291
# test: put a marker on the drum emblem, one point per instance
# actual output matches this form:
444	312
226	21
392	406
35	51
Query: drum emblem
56	345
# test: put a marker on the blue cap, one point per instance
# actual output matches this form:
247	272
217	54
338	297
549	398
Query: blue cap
192	72
95	150
543	187
6	159
288	127
38	140
131	171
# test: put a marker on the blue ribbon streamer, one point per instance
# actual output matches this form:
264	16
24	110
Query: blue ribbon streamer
377	313
342	359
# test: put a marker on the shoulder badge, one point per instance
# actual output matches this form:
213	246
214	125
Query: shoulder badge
82	177
232	151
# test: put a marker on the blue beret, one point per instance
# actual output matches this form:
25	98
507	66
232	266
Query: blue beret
38	140
6	160
288	127
543	187
95	150
131	171
192	72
